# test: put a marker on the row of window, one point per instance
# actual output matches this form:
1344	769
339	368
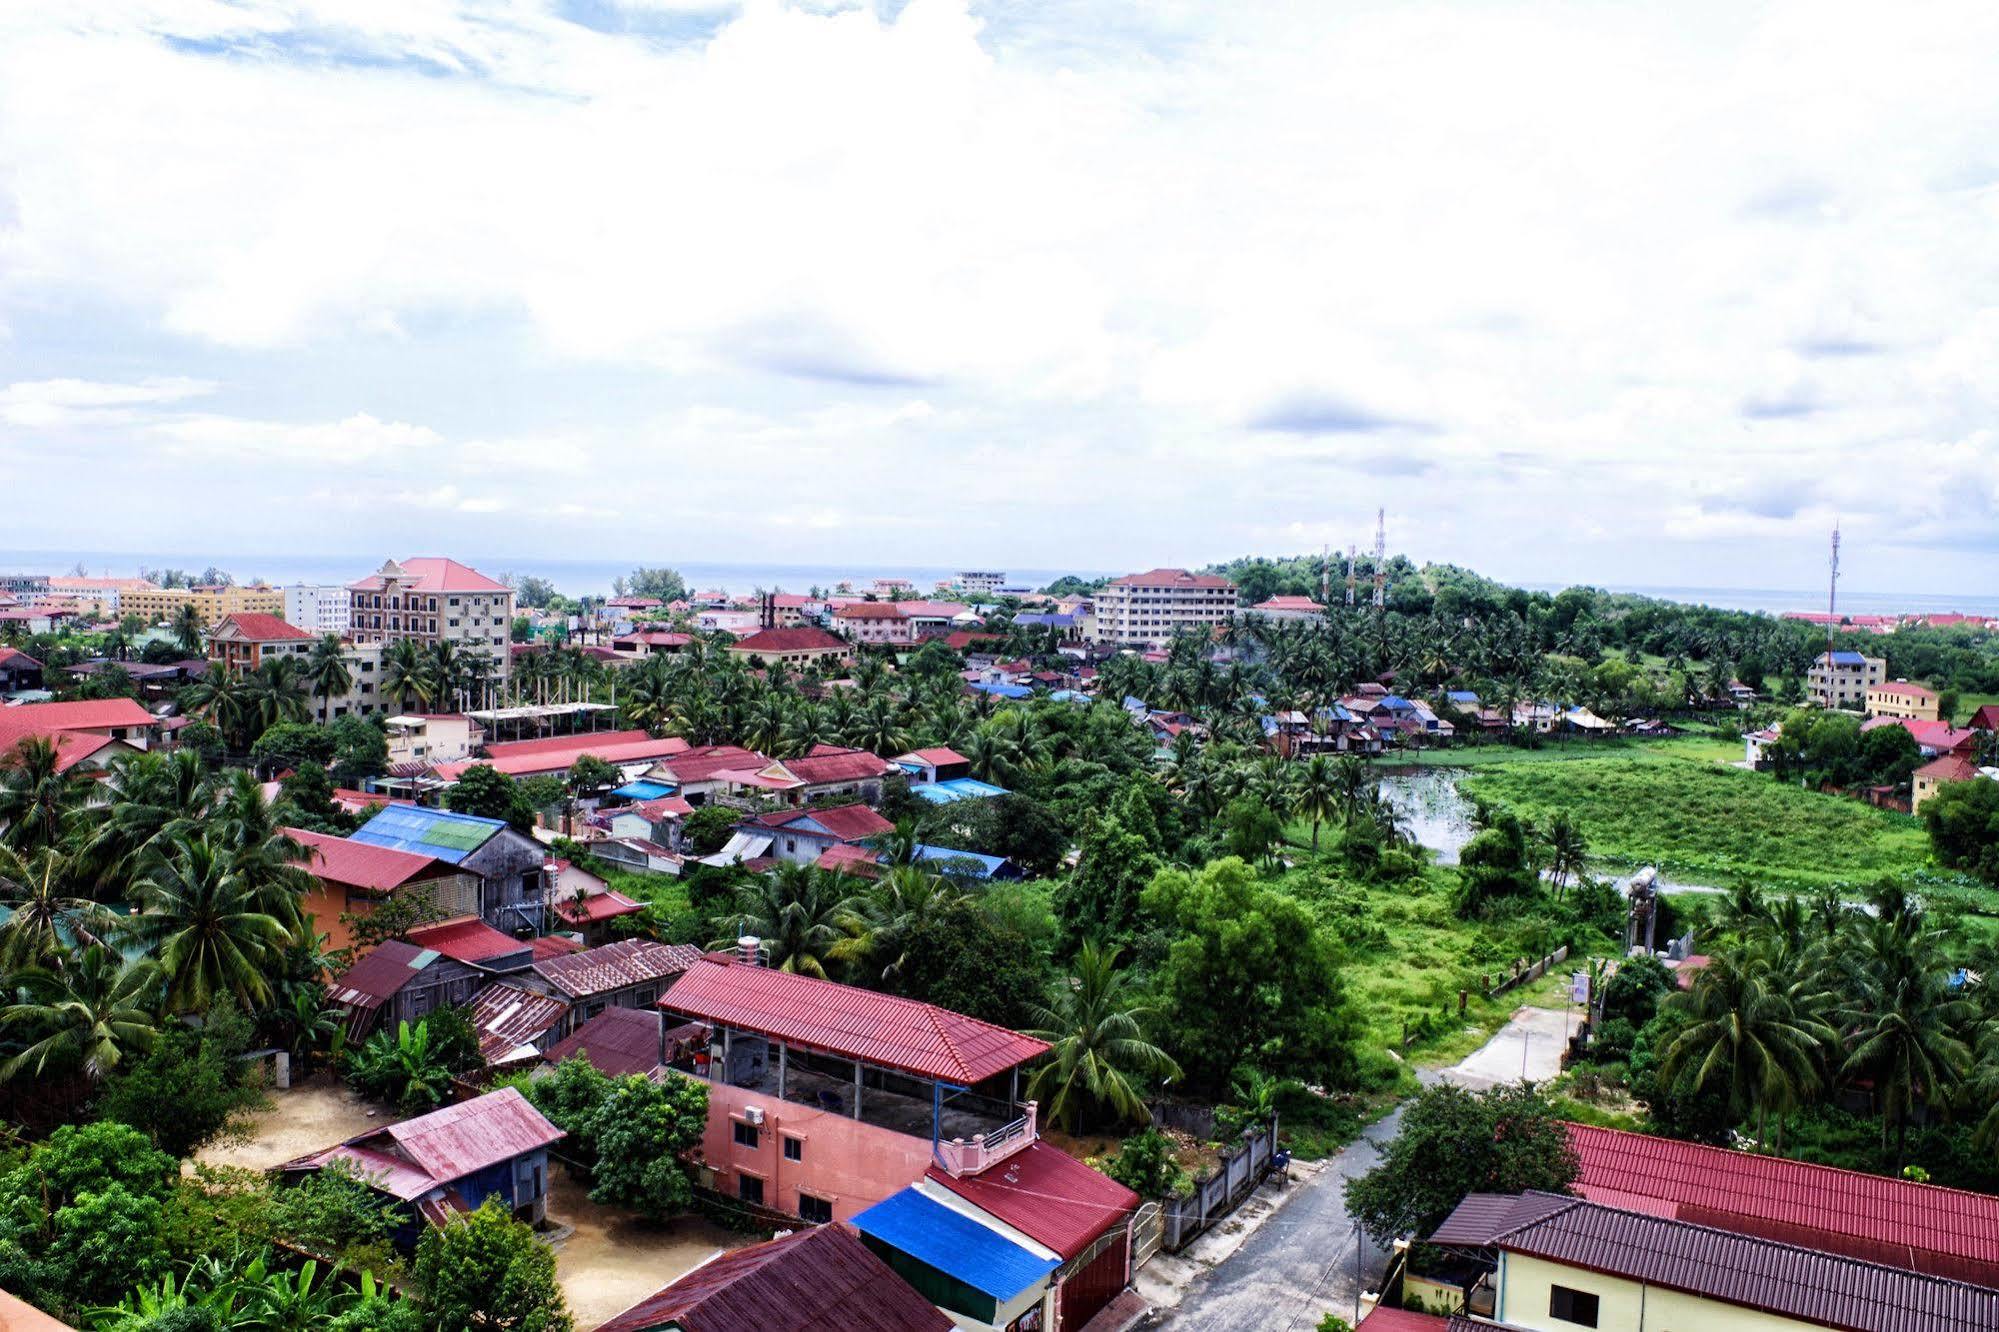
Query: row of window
818	1211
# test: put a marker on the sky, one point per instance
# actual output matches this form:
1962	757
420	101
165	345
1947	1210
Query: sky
1577	292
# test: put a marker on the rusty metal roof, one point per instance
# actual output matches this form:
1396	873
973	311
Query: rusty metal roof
844	1020
409	1159
1047	1195
510	1019
470	940
621	1041
1824	1289
615	966
370	982
360	865
810	1279
1945	1232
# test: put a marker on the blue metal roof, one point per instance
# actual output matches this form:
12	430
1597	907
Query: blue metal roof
1004	690
1069	695
1397	703
645	790
1462	696
428	832
958	788
954	1244
989	865
1056	621
1848	659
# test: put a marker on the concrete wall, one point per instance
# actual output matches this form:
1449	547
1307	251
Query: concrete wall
1627	1306
851	1164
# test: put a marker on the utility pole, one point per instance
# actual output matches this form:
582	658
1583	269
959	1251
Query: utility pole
1380	558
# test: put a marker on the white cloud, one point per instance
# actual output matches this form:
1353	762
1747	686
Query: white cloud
62	402
1129	284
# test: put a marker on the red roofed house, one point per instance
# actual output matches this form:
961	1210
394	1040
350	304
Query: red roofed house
826	772
804	646
631	973
1288	608
453	1159
802	836
826	1098
86	735
1986	718
1899	698
354	878
1919	1227
1939	773
620	1042
805	1281
1058	1202
934	765
633	750
699	772
242	641
650	642
471	940
18	671
430	601
1932	737
872	622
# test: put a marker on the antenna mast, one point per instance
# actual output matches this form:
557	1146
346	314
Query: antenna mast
1353	558
1380	558
1832	595
1325	573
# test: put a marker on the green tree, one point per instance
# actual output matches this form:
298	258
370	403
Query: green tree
1963	820
644	1132
661	584
1747	1038
327	672
187	628
48	913
203	918
1250	976
1451	1142
38	799
92	1012
1099	1054
404	1068
487	792
1100	899
360	751
291	744
805	917
1144	1164
1493	866
81	1216
708	829
489	1271
1318	793
190	1085
966	959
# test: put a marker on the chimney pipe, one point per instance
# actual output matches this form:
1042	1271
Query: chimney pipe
751	950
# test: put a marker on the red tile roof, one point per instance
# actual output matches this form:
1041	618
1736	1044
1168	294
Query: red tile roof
1957	767
870	610
790	640
615	966
359	865
704	761
1048	1195
828	763
849	823
1288	603
810	1279
1938	735
83	715
966	637
850	1022
383	971
553	945
467	940
432	574
1382	1318
1171	578
15	656
556	743
72	747
1985	719
1944	1232
1902	687
558	758
932	610
666	807
936	758
261	628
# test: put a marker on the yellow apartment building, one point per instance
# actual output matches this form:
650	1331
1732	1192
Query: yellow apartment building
160	605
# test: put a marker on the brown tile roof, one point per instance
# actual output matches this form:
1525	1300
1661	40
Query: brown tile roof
790	640
1171	578
1822	1289
805	1281
260	628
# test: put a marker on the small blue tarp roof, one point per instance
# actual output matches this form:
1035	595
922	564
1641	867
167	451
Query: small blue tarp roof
958	788
1004	690
645	790
428	832
987	866
954	1244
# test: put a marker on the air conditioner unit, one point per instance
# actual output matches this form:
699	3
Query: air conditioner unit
754	1114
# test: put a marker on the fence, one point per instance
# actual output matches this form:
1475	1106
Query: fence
1195	1120
1218	1194
1148	1232
1526	975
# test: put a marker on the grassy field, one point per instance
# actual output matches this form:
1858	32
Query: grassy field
1696	746
1970	703
1701	822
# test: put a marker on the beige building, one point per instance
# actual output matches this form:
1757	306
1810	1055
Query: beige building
872	622
1899	698
97	598
430	601
1149	609
794	647
1842	679
161	605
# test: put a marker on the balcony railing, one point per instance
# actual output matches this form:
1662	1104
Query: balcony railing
959	1157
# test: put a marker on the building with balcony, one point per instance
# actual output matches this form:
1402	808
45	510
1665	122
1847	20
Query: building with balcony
430	601
162	605
981	582
1900	699
99	598
1842	679
872	622
1150	609
244	642
824	1099
800	647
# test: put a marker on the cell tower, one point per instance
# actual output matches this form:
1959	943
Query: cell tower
1832	595
1325	574
1353	566
1380	558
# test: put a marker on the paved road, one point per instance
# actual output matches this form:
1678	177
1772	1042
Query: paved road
1300	1263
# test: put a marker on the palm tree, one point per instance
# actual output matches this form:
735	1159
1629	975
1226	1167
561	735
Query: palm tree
220	698
158	794
326	669
1748	1037
1097	1045
1902	1017
96	1008
47	917
1354	783
276	693
187	628
405	674
261	852
203	920
38	797
1568	851
906	899
803	916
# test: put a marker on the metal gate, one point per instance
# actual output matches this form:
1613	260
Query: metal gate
1148	1232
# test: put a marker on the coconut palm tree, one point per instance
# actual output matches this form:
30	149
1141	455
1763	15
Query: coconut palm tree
905	899
48	916
1568	850
262	853
202	918
220	699
406	674
275	692
327	671
39	799
158	794
96	1008
1746	1037
803	915
1098	1052
187	628
1901	1016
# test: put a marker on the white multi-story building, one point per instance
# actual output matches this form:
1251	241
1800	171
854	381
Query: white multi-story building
319	609
1149	609
974	581
433	601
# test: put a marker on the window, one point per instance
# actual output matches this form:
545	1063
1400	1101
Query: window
746	1135
816	1210
750	1189
1572	1306
794	1149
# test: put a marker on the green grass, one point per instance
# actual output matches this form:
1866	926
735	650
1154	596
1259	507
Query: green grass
1970	703
1698	746
1708	824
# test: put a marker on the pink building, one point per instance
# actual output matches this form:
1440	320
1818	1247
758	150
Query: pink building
825	1098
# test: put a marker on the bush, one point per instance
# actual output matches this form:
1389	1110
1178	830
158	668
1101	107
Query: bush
1144	1164
190	1085
489	1271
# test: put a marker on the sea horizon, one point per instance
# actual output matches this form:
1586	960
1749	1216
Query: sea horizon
582	577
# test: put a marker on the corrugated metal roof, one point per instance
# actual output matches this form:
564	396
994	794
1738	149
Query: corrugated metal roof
597	906
618	1041
1829	1290
954	1244
1946	1232
455	1140
1047	1195
428	832
388	967
616	965
810	1279
469	940
359	864
830	763
1382	1318
881	1029
848	823
510	1019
